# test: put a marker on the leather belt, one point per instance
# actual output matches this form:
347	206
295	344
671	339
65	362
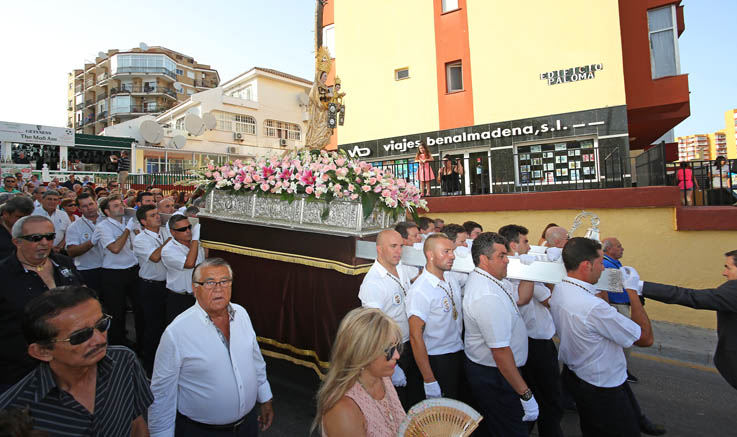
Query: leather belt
227	427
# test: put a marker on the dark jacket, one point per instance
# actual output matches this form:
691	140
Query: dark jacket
19	286
723	300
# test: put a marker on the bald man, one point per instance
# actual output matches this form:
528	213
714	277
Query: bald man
556	236
385	287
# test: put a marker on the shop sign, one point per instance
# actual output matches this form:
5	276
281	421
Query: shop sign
573	74
36	134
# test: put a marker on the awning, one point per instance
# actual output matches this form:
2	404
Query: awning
101	142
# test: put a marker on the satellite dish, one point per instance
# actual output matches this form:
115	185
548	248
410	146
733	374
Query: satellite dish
303	99
194	124
210	121
178	141
143	46
102	55
151	132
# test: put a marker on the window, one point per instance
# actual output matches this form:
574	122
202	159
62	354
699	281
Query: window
190	91
245	93
179	72
401	73
454	76
663	42
120	104
282	129
190	74
450	5
203	75
328	39
242	123
179	123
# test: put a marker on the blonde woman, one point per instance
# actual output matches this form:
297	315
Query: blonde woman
357	397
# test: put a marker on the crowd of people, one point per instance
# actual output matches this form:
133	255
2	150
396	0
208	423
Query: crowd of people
194	366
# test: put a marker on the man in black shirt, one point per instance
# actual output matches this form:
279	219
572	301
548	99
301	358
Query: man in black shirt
32	270
69	183
124	166
81	387
10	212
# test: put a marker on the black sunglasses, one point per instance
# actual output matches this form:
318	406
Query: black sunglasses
35	238
390	351
185	228
85	334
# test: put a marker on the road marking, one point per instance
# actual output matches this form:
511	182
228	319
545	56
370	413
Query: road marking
673	362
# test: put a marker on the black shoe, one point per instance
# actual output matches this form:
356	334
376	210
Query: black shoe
650	428
632	379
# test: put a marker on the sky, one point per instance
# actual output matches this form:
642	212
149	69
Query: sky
44	40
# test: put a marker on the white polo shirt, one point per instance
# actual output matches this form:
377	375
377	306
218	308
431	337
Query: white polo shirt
537	317
108	230
81	232
59	218
144	245
173	256
592	333
492	319
429	298
382	290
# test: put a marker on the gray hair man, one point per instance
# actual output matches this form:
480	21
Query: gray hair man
15	208
50	208
209	372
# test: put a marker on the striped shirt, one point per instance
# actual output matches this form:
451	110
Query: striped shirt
124	164
121	395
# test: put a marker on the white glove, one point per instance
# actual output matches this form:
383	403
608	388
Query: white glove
631	279
95	237
432	390
196	232
132	225
527	259
398	377
531	410
462	251
554	253
469	243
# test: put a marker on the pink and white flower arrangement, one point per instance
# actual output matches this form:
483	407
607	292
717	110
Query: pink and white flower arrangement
316	175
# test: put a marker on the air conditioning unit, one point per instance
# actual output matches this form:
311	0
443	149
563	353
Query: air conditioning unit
283	142
238	136
233	150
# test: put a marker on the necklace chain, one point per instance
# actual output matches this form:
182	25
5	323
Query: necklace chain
577	285
404	290
500	285
386	413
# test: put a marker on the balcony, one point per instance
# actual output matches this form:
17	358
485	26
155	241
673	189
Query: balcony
147	70
89	82
102	77
102	96
78	88
102	115
144	90
205	83
79	106
89	102
142	109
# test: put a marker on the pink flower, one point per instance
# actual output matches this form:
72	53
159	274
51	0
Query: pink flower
237	186
285	174
351	188
386	193
325	177
366	188
309	190
210	167
307	178
340	162
265	187
231	173
217	176
354	196
208	174
377	189
267	171
372	181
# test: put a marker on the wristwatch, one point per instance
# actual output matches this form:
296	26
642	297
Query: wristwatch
527	395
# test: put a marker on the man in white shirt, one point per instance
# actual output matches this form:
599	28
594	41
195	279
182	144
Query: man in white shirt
436	320
496	342
166	206
410	236
180	255
119	268
458	236
38	193
592	337
426	226
50	208
152	284
541	370
385	287
209	373
87	255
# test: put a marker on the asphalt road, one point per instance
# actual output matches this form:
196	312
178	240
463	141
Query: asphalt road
688	401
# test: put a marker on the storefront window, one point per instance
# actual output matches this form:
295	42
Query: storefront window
556	163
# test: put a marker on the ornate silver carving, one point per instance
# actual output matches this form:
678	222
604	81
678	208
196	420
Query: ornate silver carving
593	231
344	216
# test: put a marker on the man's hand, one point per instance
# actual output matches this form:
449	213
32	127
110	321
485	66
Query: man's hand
554	253
432	390
267	415
196	232
527	259
631	279
131	226
531	410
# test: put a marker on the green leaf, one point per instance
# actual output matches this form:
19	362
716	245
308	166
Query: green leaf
368	201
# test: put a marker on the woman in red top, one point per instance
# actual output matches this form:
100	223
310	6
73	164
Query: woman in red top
686	182
424	172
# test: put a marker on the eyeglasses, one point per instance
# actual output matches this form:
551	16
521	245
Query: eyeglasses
79	337
390	351
35	238
209	285
183	229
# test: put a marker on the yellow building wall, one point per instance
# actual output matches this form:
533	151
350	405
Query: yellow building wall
372	39
692	259
513	42
729	129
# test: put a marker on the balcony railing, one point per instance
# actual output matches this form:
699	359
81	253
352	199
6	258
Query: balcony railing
102	115
143	90
139	109
146	70
78	88
89	102
79	106
205	83
102	96
102	77
88	83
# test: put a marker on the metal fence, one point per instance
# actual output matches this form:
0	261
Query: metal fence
166	181
704	183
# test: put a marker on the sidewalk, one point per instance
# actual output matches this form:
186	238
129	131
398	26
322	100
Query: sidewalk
682	342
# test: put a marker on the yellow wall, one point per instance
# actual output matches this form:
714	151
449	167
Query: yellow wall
513	42
372	39
730	131
692	259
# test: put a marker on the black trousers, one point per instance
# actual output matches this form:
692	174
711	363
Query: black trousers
153	301
117	285
448	370
603	412
185	427
176	304
541	375
92	278
497	401
414	391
